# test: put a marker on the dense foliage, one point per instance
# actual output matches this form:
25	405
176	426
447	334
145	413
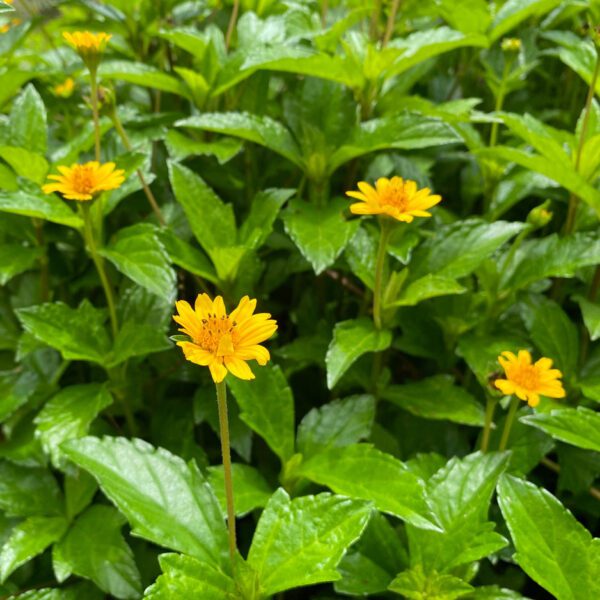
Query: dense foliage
374	454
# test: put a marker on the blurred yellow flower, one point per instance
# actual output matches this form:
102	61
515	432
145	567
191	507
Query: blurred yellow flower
64	89
88	45
6	27
511	44
395	197
224	342
85	182
527	380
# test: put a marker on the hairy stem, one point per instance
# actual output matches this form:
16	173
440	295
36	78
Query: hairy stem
490	408
386	230
512	411
94	93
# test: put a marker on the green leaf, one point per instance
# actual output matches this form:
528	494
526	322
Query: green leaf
187	577
250	489
77	333
456	250
135	339
300	542
553	548
424	288
144	75
254	128
436	398
137	252
28	539
26	164
16	259
181	147
554	334
187	257
459	495
417	584
336	424
28	491
591	316
468	16
578	426
165	500
362	471
407	131
320	232
47	207
68	415
514	12
28	121
552	256
352	339
267	407
95	549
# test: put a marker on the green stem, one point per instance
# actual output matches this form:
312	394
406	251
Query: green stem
390	23
88	235
500	100
226	453
232	21
490	408
386	230
573	199
512	411
375	15
44	274
94	93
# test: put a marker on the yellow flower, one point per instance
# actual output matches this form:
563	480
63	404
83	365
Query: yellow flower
88	45
6	27
224	342
85	182
511	44
395	197
64	89
529	381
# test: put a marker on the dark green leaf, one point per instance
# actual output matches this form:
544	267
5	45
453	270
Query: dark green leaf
15	259
47	207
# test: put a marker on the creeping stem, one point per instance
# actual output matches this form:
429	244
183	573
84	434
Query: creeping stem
88	235
512	411
386	230
226	453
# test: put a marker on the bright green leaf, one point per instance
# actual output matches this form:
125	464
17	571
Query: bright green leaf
47	207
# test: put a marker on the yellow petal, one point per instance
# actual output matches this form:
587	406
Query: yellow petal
217	370
238	367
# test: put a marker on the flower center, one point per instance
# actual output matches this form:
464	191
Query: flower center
83	180
394	195
527	377
216	335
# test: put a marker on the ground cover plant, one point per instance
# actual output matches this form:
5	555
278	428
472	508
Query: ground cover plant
299	299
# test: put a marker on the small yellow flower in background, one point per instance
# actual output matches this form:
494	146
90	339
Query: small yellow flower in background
224	342
85	182
88	45
511	44
64	89
527	380
395	197
7	26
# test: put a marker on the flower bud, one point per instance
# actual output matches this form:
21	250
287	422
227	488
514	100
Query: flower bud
540	216
511	44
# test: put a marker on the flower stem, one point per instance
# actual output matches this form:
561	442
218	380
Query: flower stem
389	29
226	453
573	199
500	100
386	230
512	411
94	93
232	21
88	235
490	408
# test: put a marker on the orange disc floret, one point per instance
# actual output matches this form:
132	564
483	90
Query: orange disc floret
396	197
224	342
528	380
85	182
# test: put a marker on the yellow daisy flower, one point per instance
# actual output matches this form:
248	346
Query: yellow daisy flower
224	342
85	182
64	89
395	197
5	28
527	380
88	45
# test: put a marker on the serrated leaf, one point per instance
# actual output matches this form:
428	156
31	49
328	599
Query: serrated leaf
267	407
28	539
49	208
77	333
95	549
336	424
459	495
28	121
137	252
166	501
416	584
181	147
250	489
436	398
137	339
553	548
26	164
16	259
187	577
187	257
424	288
300	542
591	316
352	339
578	426
68	415
320	232
514	12
362	471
